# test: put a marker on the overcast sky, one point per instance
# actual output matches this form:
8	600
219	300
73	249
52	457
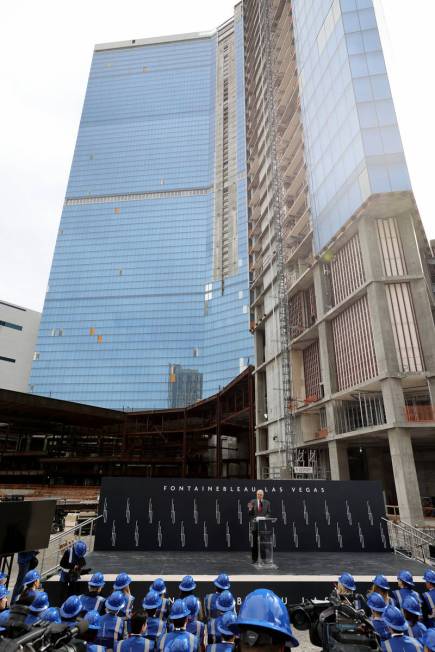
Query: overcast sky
46	49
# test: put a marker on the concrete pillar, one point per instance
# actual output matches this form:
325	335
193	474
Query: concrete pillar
385	349
424	318
405	476
371	253
431	388
327	359
338	460
394	403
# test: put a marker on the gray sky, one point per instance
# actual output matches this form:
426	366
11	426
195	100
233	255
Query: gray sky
46	49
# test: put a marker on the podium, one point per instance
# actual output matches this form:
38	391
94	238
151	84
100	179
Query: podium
265	541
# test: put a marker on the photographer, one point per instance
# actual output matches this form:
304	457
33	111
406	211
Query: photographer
72	565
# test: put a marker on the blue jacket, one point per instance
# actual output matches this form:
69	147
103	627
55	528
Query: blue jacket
92	601
400	594
154	628
210	610
429	607
418	631
163	611
401	644
220	647
197	628
213	635
169	636
112	630
380	628
93	647
125	612
135	643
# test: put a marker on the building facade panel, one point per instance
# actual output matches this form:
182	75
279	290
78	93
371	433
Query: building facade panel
18	331
352	140
138	314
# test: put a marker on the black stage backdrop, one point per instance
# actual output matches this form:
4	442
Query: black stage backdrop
201	515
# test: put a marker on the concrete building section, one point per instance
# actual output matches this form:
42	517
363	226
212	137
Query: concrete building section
18	332
358	270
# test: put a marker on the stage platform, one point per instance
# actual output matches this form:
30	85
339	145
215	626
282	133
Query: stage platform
290	564
299	575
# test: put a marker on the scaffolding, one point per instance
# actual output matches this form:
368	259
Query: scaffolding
277	219
299	463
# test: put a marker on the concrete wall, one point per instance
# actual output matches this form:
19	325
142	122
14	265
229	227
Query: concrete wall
17	342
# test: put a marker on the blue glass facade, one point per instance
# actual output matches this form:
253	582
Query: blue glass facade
132	305
352	140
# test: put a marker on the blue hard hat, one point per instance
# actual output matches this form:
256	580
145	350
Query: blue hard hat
225	601
40	603
346	579
429	576
158	585
395	619
428	639
80	548
222	581
97	580
178	644
3	591
406	577
262	608
115	601
151	601
30	577
51	615
122	580
192	604
411	604
71	607
223	623
187	583
179	610
382	582
93	619
376	602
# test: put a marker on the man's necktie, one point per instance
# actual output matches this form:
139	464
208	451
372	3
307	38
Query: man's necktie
260	506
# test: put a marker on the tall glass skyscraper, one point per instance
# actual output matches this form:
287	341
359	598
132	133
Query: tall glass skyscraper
148	297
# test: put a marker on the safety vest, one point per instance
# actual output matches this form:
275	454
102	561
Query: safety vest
197	628
402	644
220	647
429	599
210	610
154	628
92	602
93	647
112	630
136	643
163	644
400	595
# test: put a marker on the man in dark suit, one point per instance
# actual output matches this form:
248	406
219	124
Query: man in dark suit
257	507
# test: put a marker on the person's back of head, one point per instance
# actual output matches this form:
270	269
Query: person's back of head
137	622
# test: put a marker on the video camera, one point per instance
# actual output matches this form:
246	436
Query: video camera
335	625
40	637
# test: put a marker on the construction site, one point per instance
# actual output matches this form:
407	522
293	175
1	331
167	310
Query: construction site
344	372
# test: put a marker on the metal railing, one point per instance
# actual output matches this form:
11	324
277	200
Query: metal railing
411	542
50	557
